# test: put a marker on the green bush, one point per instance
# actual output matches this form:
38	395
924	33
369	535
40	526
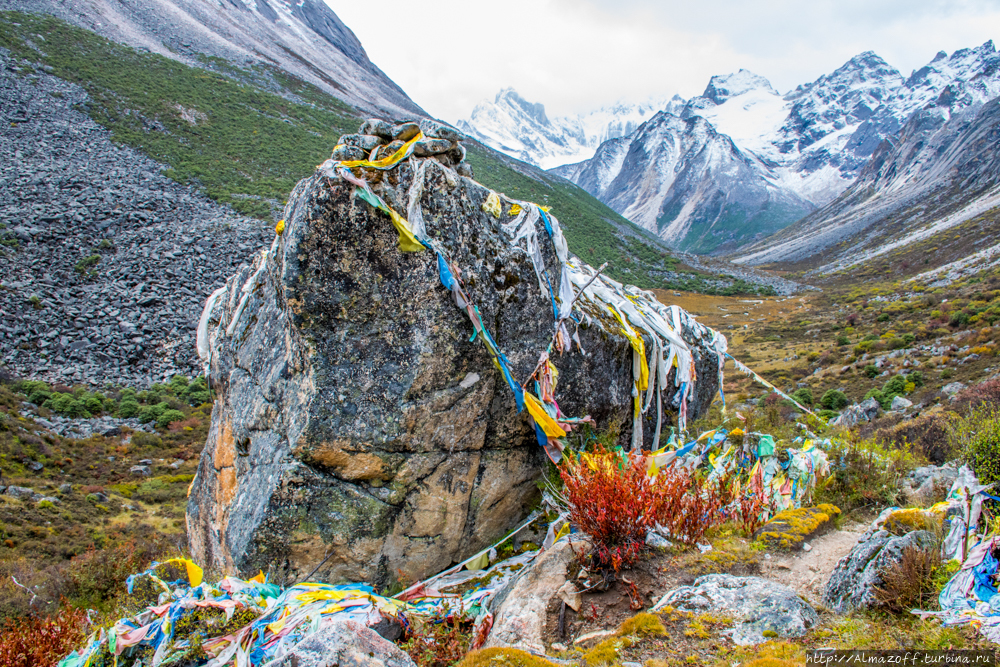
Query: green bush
879	397
128	408
803	395
168	417
843	340
834	399
871	371
959	319
895	386
947	373
978	435
67	406
917	378
908	339
38	397
93	404
151	413
864	474
883	317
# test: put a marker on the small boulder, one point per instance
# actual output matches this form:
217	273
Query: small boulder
405	131
34	466
20	492
345	153
436	130
365	142
952	389
429	147
65	488
853	582
345	644
899	404
378	128
757	605
520	618
140	471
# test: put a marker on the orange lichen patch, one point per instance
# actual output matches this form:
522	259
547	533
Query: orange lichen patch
225	447
348	465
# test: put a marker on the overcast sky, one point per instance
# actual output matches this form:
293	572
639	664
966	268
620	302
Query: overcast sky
577	55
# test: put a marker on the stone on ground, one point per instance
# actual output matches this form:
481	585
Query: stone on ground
345	644
520	615
757	606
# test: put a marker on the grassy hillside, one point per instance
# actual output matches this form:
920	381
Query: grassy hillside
243	145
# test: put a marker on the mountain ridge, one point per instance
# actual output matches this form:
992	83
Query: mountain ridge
293	36
805	147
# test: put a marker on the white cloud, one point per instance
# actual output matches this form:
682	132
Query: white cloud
576	55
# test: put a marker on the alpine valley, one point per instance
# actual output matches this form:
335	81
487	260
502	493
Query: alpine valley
293	374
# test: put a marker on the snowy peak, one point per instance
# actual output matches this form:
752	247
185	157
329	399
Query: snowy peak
522	129
724	87
536	111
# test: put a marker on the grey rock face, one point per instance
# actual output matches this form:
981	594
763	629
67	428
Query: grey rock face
899	403
345	644
341	422
862	412
757	605
852	583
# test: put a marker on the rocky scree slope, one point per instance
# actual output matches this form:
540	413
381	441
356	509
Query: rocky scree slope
803	148
358	425
304	38
105	262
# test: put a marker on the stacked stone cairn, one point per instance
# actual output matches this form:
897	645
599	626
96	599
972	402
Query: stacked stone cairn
377	139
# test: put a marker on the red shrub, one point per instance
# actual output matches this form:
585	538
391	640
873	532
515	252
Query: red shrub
984	393
41	641
691	506
613	501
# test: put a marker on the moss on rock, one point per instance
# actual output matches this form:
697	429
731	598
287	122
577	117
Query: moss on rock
790	528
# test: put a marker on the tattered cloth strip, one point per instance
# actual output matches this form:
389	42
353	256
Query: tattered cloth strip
283	618
972	595
743	368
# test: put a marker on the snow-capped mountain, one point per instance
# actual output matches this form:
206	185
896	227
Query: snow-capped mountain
682	172
302	37
521	129
934	189
807	146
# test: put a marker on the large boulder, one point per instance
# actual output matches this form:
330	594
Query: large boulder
357	425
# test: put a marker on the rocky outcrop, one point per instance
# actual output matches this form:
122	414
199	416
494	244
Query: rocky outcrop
358	424
68	193
853	582
760	608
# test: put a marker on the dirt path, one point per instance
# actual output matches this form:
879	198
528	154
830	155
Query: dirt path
806	572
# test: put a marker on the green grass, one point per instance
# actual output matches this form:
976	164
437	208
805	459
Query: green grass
250	147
